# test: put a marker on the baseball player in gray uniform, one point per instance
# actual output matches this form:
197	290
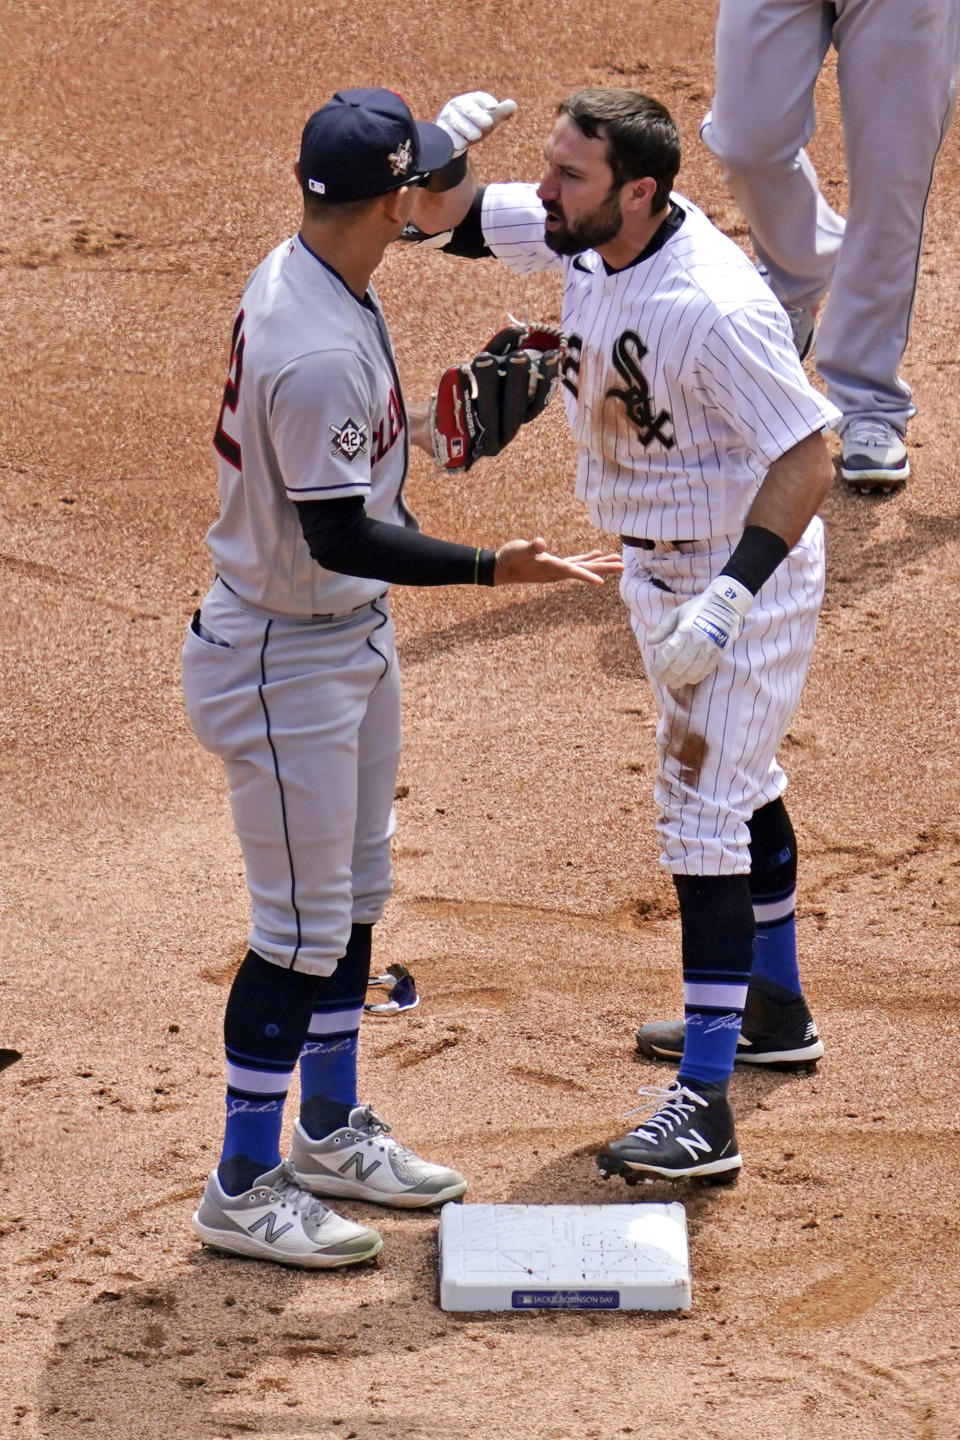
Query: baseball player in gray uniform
290	675
700	443
897	75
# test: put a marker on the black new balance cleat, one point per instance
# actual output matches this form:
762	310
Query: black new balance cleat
777	1029
690	1136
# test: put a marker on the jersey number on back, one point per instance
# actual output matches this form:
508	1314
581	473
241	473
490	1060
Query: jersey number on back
223	443
628	351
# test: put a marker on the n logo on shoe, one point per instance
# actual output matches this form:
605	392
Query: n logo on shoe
355	1163
270	1230
692	1142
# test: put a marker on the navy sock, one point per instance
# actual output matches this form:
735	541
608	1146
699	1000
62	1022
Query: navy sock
773	891
328	1060
717	928
267	1014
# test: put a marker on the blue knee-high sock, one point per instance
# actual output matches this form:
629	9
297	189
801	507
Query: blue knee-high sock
773	891
267	1015
716	921
328	1060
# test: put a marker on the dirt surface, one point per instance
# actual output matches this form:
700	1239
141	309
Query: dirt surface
145	168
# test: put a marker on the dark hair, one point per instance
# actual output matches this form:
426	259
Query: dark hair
642	139
318	208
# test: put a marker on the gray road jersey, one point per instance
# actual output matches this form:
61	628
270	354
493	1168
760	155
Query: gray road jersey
312	410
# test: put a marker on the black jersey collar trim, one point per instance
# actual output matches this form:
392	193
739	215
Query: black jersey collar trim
664	232
366	301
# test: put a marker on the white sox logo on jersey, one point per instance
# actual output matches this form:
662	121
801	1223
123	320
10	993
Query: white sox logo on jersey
628	351
349	439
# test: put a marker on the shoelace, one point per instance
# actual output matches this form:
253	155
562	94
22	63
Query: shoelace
371	1126
869	432
300	1201
370	1123
673	1106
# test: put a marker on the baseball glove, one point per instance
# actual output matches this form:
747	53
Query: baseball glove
480	406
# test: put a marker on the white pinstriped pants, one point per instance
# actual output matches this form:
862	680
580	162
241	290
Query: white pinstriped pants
305	714
717	741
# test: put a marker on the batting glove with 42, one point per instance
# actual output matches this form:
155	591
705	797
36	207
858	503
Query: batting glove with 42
468	118
479	406
694	636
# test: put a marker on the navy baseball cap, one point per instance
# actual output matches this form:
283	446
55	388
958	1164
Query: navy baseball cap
364	143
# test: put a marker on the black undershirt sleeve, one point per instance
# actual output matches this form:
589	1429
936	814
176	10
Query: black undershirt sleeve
341	536
467	239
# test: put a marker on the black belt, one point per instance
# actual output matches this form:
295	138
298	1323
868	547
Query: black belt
644	544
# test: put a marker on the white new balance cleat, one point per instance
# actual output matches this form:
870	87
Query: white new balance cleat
364	1162
276	1219
874	456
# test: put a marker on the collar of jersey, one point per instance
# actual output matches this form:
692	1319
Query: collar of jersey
366	302
668	229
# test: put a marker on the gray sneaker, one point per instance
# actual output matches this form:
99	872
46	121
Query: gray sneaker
277	1220
874	456
364	1162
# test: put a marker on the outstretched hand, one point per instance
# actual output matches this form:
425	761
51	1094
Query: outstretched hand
528	562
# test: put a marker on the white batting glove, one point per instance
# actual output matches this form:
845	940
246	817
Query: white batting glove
693	637
468	118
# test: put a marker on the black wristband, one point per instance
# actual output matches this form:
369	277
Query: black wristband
756	557
448	177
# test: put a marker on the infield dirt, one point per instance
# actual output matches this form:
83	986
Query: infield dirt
145	168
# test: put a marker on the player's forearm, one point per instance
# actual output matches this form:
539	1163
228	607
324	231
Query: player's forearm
793	489
784	505
436	211
418	425
342	537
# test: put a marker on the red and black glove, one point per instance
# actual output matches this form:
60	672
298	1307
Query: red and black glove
480	406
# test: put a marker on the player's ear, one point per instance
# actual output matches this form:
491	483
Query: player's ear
637	194
296	171
397	204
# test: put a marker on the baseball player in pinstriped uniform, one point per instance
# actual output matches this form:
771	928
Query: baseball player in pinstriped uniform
897	74
290	675
700	442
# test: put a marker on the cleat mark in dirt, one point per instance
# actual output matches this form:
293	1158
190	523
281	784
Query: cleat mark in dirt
544	1077
428	1052
628	917
50	575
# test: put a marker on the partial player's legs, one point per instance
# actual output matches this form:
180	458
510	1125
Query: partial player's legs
284	705
340	1147
768	56
253	1204
777	1028
691	1132
718	771
896	70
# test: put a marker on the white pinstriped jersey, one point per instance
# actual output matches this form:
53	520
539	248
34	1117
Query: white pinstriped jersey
681	383
312	410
